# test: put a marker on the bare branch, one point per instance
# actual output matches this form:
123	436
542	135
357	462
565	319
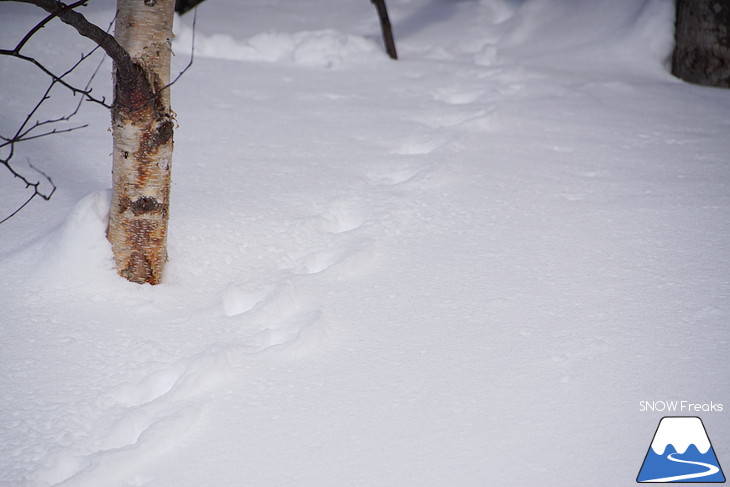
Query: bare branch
52	132
19	208
42	24
22	133
192	53
66	13
36	191
32	32
69	16
30	131
57	79
138	93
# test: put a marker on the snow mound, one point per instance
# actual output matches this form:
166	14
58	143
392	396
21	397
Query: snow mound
321	49
77	252
638	32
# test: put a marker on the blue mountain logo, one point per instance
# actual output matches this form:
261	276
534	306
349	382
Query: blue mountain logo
681	452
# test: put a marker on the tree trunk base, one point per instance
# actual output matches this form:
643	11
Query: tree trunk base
702	50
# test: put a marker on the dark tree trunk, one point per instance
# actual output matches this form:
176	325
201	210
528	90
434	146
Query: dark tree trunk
386	28
702	50
182	6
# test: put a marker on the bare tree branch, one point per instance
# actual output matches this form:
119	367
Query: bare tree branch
30	131
192	52
69	16
42	24
16	52
128	74
23	133
36	191
57	79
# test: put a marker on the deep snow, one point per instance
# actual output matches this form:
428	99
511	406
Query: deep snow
466	267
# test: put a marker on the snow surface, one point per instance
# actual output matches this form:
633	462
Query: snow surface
466	267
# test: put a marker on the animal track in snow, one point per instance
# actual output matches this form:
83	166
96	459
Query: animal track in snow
419	146
153	386
317	262
350	259
483	121
487	55
399	175
457	96
456	118
299	331
184	377
136	422
237	300
140	421
343	216
139	438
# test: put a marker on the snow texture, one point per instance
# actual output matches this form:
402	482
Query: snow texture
465	267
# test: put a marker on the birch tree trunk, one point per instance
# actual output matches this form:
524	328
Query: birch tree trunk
142	128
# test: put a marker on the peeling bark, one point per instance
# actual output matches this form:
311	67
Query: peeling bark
142	128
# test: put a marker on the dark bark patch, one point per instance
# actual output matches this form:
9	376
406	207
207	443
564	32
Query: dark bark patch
133	90
153	139
124	204
146	204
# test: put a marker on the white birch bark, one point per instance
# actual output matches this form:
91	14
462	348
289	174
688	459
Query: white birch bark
142	128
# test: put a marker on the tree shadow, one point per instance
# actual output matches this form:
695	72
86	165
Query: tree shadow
436	11
433	12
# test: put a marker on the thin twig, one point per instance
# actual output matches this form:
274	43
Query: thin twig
22	133
26	131
192	53
57	79
48	178
36	192
19	208
43	23
52	132
106	41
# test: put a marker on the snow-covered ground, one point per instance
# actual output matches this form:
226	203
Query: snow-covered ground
466	267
